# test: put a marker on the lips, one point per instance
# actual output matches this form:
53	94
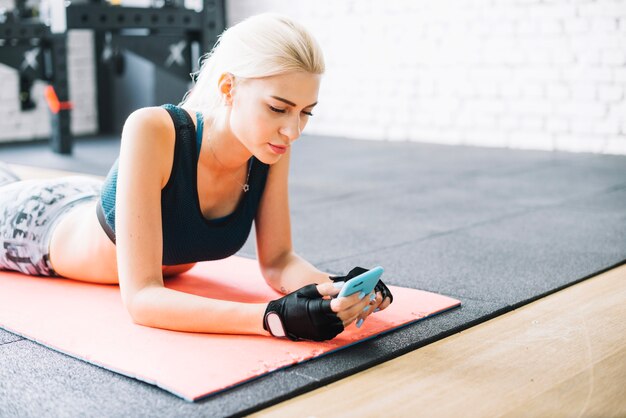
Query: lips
278	149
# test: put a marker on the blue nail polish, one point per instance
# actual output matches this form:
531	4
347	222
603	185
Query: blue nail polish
359	323
367	308
372	296
361	295
377	309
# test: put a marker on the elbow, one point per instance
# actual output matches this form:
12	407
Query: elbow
135	311
273	272
272	278
137	307
138	316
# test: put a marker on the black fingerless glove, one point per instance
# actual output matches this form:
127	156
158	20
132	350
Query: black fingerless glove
302	315
380	286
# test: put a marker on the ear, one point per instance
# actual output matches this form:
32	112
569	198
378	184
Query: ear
226	84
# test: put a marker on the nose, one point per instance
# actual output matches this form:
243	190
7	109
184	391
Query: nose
292	129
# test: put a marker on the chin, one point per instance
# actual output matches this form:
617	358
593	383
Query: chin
266	155
267	158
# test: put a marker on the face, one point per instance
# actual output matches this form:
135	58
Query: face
268	114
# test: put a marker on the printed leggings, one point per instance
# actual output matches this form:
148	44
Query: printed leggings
29	211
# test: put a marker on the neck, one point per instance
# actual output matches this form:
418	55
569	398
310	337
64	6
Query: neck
221	151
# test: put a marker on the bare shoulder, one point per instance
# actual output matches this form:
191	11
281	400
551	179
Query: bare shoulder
148	139
150	121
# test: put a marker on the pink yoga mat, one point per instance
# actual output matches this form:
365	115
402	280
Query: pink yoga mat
89	322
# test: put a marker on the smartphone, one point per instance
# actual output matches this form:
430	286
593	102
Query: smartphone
365	282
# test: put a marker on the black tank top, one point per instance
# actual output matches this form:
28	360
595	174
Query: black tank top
188	236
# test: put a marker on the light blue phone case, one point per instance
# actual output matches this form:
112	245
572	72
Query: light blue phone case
365	282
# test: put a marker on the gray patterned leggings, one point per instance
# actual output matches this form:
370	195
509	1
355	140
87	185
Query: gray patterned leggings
29	211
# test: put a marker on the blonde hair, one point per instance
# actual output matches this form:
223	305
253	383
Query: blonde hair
260	46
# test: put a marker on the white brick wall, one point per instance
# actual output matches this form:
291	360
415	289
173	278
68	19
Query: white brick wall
528	74
525	74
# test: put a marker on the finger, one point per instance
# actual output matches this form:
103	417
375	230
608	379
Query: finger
327	289
347	318
367	311
354	310
373	305
384	305
350	320
344	303
351	314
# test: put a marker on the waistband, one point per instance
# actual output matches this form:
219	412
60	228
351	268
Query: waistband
53	221
103	222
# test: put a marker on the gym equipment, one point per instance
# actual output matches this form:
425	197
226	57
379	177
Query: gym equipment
34	43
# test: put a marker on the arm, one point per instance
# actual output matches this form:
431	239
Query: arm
146	157
282	268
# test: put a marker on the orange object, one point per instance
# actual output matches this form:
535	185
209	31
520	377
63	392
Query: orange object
88	321
53	101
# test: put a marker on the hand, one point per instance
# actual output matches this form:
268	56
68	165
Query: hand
303	315
306	315
349	308
384	298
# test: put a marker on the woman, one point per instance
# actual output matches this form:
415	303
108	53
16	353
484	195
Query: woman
188	183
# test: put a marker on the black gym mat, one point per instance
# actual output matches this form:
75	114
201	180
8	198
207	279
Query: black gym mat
494	228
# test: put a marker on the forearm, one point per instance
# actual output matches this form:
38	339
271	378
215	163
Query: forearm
294	272
160	307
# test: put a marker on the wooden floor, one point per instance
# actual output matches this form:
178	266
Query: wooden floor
561	356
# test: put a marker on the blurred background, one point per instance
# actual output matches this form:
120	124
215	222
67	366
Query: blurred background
521	74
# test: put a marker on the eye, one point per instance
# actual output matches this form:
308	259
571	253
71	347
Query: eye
274	109
307	113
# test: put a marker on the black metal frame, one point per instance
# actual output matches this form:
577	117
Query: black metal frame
115	28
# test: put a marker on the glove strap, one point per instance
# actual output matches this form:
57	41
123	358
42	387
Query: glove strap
273	323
